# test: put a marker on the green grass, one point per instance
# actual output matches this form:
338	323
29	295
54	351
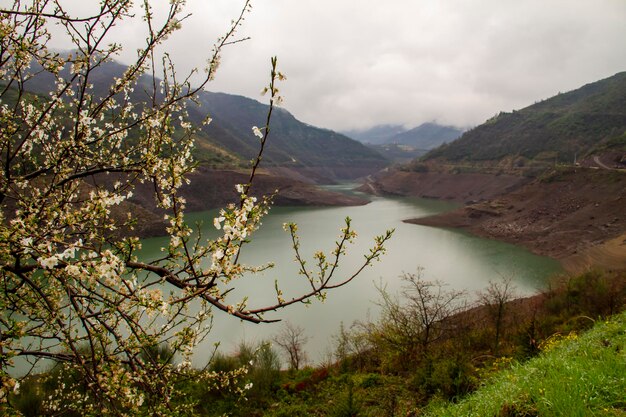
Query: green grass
570	374
581	377
359	395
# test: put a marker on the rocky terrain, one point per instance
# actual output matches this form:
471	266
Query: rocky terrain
550	176
575	215
463	187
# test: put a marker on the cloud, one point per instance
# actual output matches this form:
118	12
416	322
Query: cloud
355	64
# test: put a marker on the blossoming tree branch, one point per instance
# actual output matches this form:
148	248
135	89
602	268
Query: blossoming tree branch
72	286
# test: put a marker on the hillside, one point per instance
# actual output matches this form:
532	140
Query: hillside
460	187
398	153
292	143
592	364
518	175
574	215
229	142
563	128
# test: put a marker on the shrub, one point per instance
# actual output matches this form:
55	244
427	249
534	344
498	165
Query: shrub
347	406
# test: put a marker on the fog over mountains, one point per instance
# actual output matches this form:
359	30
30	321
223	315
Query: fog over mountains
423	137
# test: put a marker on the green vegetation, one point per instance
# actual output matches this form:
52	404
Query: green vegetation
559	129
228	140
75	291
293	143
573	376
615	142
415	166
432	354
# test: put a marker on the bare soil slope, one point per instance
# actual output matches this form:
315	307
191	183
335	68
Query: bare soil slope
463	187
577	216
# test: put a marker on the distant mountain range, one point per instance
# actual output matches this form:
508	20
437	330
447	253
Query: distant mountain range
427	136
564	128
423	137
228	140
400	145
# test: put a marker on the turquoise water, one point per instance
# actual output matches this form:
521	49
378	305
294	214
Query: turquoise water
460	260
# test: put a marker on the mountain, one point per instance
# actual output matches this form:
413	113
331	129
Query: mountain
228	140
291	143
423	137
427	136
400	145
564	128
377	135
507	170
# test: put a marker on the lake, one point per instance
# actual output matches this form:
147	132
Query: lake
462	261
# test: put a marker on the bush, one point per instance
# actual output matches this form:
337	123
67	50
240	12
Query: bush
347	406
30	398
265	370
453	378
371	380
593	294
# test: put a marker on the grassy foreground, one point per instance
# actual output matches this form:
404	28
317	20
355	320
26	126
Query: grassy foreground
549	358
579	376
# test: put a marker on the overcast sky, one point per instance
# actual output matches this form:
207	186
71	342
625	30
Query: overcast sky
359	63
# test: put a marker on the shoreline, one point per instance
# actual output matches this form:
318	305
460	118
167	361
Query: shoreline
214	189
575	216
610	255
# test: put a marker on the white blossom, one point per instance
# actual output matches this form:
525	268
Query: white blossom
48	263
217	222
257	132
